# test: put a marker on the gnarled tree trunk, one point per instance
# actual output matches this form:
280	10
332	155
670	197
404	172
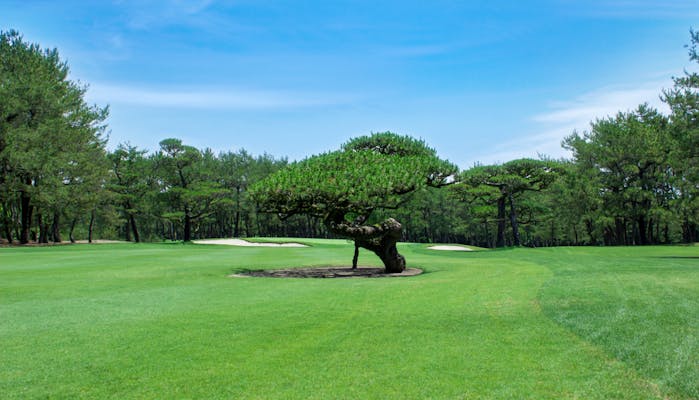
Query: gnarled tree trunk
380	238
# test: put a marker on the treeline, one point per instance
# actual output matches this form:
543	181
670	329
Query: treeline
182	193
58	181
633	178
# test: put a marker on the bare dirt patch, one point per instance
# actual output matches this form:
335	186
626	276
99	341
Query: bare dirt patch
327	272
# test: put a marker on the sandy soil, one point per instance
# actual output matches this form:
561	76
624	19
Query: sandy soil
241	242
450	248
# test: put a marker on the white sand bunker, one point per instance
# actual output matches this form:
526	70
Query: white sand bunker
101	241
450	248
245	243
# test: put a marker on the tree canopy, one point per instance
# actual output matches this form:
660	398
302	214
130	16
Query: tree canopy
629	154
683	100
50	138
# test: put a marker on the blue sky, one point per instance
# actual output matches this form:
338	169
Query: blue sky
480	81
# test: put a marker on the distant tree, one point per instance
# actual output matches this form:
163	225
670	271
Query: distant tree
188	186
129	168
345	187
83	188
49	136
502	184
430	216
575	204
235	170
628	157
683	100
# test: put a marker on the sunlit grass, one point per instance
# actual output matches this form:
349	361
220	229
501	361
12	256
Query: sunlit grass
165	321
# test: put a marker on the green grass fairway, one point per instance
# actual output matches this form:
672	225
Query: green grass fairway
164	321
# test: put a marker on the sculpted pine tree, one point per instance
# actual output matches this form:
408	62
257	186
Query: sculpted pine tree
344	187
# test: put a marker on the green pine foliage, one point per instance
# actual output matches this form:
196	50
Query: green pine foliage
52	155
371	172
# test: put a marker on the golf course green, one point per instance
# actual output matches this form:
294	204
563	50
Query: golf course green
123	321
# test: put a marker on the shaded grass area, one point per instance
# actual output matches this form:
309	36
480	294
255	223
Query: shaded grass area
163	321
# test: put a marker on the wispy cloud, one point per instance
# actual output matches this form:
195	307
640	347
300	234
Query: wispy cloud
562	118
144	13
546	143
206	98
192	7
633	8
601	103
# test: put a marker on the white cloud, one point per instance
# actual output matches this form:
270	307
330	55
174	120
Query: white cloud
563	117
603	102
216	99
608	101
530	146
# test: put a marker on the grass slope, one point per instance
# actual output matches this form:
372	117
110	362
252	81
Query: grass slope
163	321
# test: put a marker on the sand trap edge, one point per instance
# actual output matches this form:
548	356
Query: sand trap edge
245	243
449	248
